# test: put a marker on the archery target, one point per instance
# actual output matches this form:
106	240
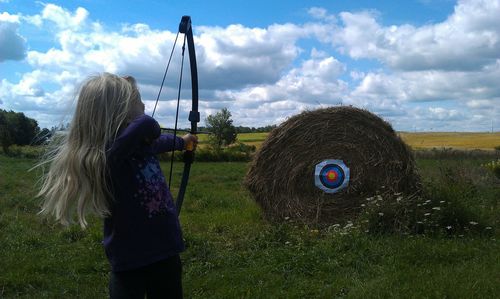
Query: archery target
331	175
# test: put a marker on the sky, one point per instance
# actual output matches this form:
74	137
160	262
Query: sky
422	65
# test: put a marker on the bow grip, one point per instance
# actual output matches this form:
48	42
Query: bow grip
194	117
190	146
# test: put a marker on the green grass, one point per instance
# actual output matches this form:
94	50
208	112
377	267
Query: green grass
233	253
255	139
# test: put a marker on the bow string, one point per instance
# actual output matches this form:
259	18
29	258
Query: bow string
194	116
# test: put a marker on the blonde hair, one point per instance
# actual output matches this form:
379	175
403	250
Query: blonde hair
76	179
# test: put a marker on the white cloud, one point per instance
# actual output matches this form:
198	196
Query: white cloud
63	18
431	85
6	17
442	75
229	58
469	39
440	113
321	14
12	43
316	80
237	56
311	85
482	104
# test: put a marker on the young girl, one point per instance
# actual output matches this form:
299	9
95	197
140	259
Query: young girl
106	165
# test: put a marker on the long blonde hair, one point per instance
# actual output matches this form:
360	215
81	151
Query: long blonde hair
76	179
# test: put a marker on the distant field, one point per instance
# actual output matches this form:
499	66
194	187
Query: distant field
247	138
484	141
252	138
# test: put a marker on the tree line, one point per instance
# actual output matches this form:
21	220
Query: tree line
16	128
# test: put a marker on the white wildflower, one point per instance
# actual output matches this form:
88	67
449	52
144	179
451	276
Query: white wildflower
436	208
473	222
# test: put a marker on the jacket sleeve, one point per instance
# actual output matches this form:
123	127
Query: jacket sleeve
142	129
165	143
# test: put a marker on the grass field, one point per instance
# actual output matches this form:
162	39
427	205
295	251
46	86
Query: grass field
247	138
233	253
484	141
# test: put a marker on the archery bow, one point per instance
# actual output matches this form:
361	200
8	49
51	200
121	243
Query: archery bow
194	116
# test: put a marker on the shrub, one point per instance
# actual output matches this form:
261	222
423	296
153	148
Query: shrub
25	151
455	154
448	205
240	147
238	152
235	153
494	166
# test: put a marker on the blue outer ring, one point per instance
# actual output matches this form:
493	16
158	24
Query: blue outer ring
339	184
340	178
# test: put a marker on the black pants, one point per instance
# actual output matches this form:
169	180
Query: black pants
159	280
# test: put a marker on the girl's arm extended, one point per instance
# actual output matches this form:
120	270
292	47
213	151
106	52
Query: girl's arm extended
142	129
165	143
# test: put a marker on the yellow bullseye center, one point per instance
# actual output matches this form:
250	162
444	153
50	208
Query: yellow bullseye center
331	175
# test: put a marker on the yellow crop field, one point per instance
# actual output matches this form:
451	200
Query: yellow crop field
484	141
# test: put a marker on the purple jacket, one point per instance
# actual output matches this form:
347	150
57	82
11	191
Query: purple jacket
143	227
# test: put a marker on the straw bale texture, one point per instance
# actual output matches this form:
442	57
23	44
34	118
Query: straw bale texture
281	175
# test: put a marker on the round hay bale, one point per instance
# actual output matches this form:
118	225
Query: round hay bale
281	175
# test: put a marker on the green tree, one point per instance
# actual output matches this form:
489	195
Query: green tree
222	131
5	135
16	128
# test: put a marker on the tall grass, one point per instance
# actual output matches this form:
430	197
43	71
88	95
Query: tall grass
233	253
458	198
457	154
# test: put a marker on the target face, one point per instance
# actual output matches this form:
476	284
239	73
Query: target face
331	176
